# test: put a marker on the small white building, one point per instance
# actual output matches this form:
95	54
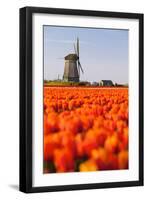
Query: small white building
106	83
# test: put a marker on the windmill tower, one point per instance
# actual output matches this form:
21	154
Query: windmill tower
72	65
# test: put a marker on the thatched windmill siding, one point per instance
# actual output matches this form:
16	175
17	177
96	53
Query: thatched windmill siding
72	66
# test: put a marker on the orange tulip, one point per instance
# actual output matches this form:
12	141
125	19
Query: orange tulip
64	161
88	126
123	160
88	165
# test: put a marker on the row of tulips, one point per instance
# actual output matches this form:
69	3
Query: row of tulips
85	129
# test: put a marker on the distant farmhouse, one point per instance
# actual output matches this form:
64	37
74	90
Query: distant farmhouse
106	83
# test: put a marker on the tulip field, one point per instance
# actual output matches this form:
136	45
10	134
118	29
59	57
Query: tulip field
85	129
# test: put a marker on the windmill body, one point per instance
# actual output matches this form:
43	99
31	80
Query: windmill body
72	66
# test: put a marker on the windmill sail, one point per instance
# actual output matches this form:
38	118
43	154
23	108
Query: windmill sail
75	49
78	47
78	58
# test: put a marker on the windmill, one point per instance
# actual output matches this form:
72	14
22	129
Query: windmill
72	65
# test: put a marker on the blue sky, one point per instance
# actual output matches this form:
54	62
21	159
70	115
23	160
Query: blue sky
103	52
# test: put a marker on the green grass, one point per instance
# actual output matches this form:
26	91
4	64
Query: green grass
61	83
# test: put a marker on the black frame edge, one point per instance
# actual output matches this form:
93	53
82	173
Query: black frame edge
65	11
22	103
25	100
141	99
84	187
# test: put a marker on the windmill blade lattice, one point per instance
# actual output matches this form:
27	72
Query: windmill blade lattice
78	60
78	47
80	66
75	49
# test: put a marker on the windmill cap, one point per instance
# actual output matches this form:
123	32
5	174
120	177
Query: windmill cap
71	57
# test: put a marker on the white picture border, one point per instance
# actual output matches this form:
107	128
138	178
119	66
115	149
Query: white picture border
132	174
